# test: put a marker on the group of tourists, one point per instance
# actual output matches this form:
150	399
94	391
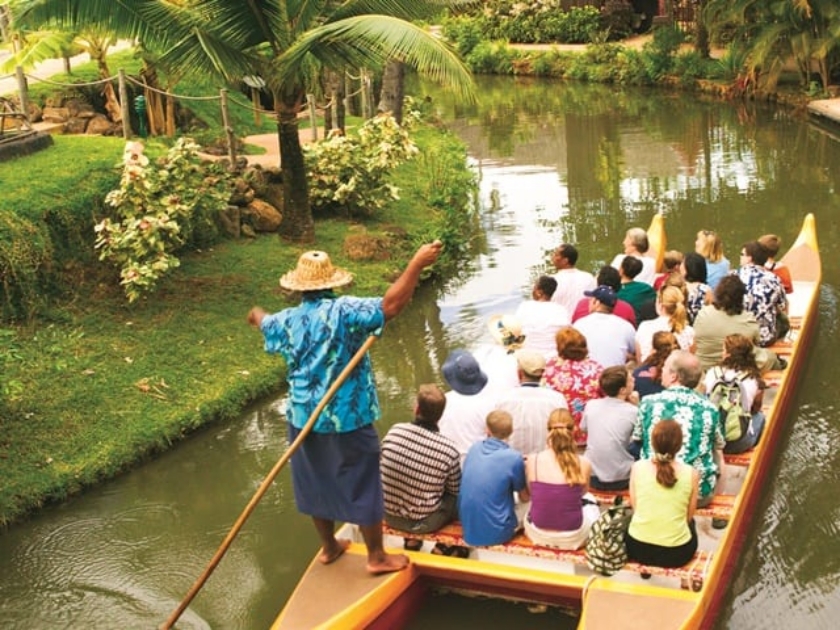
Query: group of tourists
610	382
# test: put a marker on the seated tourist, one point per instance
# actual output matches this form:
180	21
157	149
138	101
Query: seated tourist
530	403
772	244
562	510
572	373
636	245
710	247
739	362
765	296
467	403
493	473
698	293
663	495
640	295
671	317
608	423
647	377
571	281
541	318
421	470
609	277
671	262
610	339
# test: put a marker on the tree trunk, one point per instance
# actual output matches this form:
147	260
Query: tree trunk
335	81
112	103
393	89
297	224
701	33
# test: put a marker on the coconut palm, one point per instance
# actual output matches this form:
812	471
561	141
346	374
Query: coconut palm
285	42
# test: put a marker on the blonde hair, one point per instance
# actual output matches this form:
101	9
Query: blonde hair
672	303
561	428
500	424
711	248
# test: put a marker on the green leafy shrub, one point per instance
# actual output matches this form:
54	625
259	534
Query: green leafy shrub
690	66
660	52
349	174
492	58
617	18
463	32
160	210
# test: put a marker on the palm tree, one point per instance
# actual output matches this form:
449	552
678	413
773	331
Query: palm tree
286	42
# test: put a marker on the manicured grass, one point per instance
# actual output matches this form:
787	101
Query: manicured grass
100	384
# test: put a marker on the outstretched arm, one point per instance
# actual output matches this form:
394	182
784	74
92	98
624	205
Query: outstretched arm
400	292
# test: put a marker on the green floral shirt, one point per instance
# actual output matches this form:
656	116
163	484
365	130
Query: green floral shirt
702	432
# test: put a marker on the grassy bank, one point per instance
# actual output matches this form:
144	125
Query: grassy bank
102	385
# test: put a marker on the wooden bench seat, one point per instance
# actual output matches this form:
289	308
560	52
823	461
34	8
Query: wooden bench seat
693	573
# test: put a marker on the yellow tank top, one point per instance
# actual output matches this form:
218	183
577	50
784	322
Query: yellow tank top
659	513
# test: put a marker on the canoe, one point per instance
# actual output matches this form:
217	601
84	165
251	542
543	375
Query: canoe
343	596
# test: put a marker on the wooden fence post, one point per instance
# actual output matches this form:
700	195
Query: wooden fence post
231	140
24	93
126	112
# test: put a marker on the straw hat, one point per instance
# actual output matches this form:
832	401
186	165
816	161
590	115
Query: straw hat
506	330
314	271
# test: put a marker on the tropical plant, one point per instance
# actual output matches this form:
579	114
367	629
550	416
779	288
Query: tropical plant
285	42
159	208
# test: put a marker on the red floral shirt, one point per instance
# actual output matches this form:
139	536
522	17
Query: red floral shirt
578	382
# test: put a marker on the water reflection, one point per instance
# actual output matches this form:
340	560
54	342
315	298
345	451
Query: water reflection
558	163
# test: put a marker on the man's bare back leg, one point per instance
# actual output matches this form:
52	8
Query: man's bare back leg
331	547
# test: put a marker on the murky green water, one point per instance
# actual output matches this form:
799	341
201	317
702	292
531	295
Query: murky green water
576	163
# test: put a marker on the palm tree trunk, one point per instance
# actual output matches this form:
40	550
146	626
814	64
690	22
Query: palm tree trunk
392	95
297	222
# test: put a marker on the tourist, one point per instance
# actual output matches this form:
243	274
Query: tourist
765	295
738	361
663	495
636	245
699	293
710	247
671	263
639	295
702	432
562	510
726	316
530	403
317	339
672	317
607	276
772	244
541	318
421	470
571	281
493	474
609	338
572	373
647	377
608	423
467	403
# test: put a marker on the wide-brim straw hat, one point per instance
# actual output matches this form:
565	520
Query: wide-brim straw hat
506	330
314	271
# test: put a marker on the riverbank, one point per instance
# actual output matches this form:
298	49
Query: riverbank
104	385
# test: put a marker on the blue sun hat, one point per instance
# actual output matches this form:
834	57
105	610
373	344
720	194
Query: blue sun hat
463	374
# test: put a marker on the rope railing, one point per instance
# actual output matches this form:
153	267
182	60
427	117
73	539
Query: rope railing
122	79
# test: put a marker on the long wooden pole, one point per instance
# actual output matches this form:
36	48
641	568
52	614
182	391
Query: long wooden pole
199	583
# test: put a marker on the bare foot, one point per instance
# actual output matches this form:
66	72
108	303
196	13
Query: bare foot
334	552
387	563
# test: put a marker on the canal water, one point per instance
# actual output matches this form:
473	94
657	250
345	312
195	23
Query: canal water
557	163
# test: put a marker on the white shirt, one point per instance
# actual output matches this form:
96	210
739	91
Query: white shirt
464	419
648	272
540	322
647	329
530	405
609	338
571	283
500	367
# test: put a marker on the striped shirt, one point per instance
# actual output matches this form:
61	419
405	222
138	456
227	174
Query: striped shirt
418	466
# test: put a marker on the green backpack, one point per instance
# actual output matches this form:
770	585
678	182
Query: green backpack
725	394
605	550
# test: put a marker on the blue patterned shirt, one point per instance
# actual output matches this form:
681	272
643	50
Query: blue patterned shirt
317	339
700	422
765	298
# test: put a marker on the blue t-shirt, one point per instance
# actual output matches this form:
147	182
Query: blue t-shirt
317	339
492	472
